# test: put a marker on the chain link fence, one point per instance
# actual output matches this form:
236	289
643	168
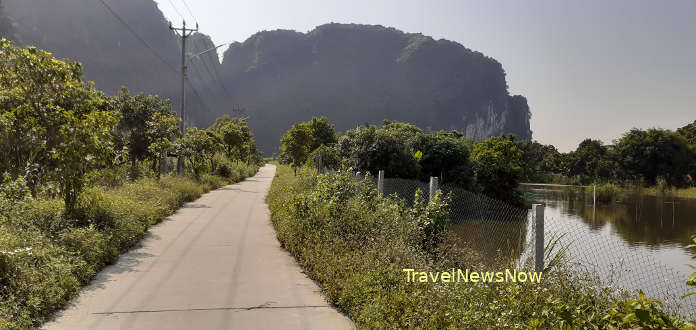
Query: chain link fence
500	230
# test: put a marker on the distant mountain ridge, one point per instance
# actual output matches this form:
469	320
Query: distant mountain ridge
351	73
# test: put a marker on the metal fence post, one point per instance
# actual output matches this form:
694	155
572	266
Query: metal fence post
538	213
380	182
433	187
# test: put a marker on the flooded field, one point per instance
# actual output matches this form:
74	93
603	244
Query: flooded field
636	243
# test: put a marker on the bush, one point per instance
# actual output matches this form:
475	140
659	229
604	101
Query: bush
606	192
45	255
356	244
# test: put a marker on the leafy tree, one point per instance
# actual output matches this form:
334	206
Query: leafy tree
325	156
162	128
539	159
369	148
139	126
647	154
689	133
323	132
443	156
54	126
86	144
498	168
589	160
296	144
198	147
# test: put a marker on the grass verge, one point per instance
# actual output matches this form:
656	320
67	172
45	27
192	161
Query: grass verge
357	244
45	257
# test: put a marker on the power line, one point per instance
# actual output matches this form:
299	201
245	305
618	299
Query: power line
198	95
189	10
153	51
214	77
137	36
176	9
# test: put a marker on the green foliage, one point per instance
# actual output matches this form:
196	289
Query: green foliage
297	143
369	148
57	139
304	138
539	160
442	156
431	219
327	157
147	125
498	168
45	256
55	126
692	278
322	132
650	153
606	192
356	245
14	190
688	132
235	136
199	147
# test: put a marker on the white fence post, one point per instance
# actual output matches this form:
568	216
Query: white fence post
433	187
380	182
538	214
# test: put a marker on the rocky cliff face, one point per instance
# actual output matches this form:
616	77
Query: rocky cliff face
353	74
6	25
359	73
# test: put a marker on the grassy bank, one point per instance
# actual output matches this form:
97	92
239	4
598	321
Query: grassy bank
356	244
46	256
676	192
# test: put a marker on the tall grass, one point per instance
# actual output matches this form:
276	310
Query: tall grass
356	244
46	256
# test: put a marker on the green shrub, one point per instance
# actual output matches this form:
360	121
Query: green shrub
45	255
356	245
606	192
37	277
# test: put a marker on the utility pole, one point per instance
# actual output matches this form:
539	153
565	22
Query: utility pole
184	33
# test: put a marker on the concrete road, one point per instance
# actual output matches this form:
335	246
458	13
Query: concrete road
215	264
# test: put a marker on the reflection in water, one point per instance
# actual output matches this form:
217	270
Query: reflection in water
637	243
493	240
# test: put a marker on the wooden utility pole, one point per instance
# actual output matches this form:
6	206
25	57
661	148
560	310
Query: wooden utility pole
184	33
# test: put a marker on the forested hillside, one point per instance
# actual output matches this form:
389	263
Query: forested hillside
350	73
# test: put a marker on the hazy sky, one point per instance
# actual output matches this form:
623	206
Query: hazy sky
588	68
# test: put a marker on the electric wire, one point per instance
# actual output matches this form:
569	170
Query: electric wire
137	36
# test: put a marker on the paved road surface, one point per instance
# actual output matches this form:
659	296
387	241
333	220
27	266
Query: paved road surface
215	264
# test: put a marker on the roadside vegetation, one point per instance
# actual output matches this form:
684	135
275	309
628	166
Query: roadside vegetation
356	244
83	176
492	167
654	161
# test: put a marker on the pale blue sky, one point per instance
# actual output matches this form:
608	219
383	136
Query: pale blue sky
588	68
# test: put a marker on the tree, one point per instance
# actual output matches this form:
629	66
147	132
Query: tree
161	130
198	147
443	156
326	157
588	160
296	144
653	153
55	126
86	144
539	159
369	148
689	133
145	119
323	132
498	168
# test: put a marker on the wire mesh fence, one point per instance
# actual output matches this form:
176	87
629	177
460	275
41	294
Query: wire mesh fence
495	228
